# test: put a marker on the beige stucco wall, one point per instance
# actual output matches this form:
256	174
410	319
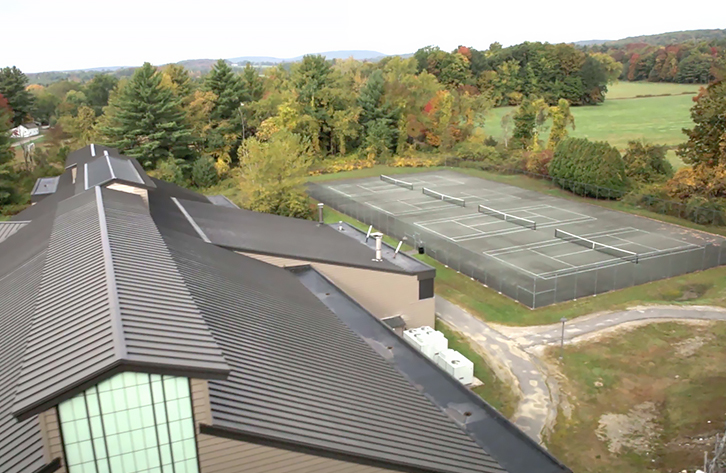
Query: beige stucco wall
131	190
50	431
382	293
220	455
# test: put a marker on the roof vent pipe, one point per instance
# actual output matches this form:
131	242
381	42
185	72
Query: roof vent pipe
93	150
340	226
320	212
105	152
379	246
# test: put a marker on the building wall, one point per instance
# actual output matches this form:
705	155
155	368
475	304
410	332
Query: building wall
131	190
382	293
220	455
50	430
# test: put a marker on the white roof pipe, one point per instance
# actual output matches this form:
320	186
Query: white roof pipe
379	246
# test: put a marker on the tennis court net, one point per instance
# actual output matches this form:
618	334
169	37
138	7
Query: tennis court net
444	197
593	245
507	217
396	182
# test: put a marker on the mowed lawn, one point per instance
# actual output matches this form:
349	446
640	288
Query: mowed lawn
649	400
623	117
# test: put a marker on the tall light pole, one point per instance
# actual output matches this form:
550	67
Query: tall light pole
562	340
242	119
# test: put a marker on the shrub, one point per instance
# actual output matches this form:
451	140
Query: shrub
348	163
588	168
204	172
646	163
473	151
538	162
169	170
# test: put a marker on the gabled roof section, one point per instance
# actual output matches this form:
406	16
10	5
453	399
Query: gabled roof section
7	229
301	376
255	232
110	300
88	153
21	265
45	186
106	169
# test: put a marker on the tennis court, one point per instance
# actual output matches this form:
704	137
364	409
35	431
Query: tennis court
537	249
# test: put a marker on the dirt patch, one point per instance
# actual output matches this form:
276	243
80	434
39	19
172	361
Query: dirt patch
635	431
686	292
690	346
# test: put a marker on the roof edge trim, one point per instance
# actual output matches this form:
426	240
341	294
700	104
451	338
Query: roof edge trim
50	467
116	323
302	447
191	221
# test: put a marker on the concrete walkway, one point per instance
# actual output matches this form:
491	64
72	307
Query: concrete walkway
512	364
512	351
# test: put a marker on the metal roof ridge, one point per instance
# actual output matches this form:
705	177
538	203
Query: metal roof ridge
113	302
191	221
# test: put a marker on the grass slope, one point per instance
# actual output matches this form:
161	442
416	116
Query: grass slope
681	369
656	119
493	390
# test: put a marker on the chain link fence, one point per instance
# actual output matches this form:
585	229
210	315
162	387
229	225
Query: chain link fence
532	291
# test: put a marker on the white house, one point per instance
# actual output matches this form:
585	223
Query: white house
25	130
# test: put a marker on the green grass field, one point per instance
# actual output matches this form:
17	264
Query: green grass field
655	119
629	90
650	400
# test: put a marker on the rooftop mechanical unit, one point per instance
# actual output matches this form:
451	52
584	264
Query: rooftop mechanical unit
426	340
456	364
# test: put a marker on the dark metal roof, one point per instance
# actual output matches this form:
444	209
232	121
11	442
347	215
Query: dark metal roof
9	228
300	375
255	232
511	447
21	264
88	153
45	186
110	300
222	201
48	205
106	169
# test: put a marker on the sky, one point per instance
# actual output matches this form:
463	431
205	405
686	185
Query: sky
49	35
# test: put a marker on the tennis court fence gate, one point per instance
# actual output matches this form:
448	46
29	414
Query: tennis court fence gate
531	290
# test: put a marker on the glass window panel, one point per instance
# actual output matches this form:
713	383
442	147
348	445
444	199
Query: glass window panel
96	427
187	429
116	464
103	467
149	434
192	465
65	409
157	391
144	395
163	434
89	467
152	458
109	424
122	421
180	467
168	469
86	451
172	410
134	416
139	441
160	413
177	450
104	386
147	416
69	432
73	454
165	455
114	446
170	388
132	397
140	460
106	398
190	448
79	407
82	430
92	402
117	382
119	399
182	387
175	431
100	448
126	442
128	461
185	409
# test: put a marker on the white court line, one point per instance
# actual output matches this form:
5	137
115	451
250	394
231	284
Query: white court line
467	226
539	227
552	258
634	243
340	192
437	233
553	242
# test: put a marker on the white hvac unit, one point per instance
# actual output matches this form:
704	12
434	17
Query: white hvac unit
457	365
426	340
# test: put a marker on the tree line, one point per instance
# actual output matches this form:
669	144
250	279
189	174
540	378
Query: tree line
686	63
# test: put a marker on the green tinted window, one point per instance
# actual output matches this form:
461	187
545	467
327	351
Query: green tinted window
131	423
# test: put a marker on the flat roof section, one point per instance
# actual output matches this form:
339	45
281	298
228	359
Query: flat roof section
45	186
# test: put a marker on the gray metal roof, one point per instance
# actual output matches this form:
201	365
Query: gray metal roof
110	300
21	263
9	228
300	375
256	232
511	447
107	168
88	153
45	186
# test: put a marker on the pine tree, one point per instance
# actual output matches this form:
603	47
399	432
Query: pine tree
252	83
228	88
146	120
6	153
12	87
379	119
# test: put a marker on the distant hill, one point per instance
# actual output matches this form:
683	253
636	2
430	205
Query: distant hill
360	55
663	39
592	42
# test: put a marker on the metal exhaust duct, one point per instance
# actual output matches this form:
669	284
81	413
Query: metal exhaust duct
320	212
379	246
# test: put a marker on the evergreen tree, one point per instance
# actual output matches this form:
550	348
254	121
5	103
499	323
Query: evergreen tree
228	88
252	84
146	120
12	87
6	154
379	119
